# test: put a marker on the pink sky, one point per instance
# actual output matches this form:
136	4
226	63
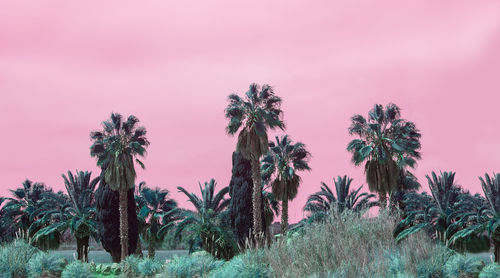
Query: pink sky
64	67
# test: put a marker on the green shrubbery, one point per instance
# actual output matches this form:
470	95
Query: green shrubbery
44	264
192	266
247	265
77	269
462	266
492	270
14	258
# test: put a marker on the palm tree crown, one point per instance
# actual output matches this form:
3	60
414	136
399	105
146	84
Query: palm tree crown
343	198
115	147
386	144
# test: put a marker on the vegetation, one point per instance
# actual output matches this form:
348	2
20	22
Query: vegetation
423	235
157	215
259	111
387	144
58	213
280	166
115	147
323	202
208	225
108	218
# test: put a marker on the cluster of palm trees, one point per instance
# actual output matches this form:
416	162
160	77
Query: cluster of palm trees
387	145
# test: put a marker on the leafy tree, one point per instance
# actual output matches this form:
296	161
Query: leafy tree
108	219
280	165
207	224
323	201
479	216
75	211
115	147
253	116
240	191
407	182
386	144
434	213
157	214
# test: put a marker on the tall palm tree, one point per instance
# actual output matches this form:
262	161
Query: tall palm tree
281	165
343	199
479	217
157	214
386	144
115	147
75	211
208	224
434	213
253	116
271	209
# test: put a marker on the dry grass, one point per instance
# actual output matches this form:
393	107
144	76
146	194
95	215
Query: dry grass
352	247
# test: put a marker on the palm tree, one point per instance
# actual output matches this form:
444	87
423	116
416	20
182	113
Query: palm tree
271	209
20	213
386	144
434	213
115	147
208	224
258	111
343	199
281	165
19	208
407	182
75	211
157	214
480	216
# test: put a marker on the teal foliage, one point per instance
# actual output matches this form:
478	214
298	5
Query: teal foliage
14	258
77	269
192	266
149	267
459	265
242	266
433	266
492	270
130	266
107	269
44	263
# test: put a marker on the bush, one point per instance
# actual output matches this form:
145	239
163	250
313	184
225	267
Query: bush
106	269
246	265
130	266
77	269
44	264
192	266
350	246
492	270
433	266
462	266
149	267
14	258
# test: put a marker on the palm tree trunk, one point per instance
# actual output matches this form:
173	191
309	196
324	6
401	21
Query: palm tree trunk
123	207
151	250
496	246
284	217
82	248
257	199
382	197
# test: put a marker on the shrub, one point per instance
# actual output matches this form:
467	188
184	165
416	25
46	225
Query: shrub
433	266
462	266
350	246
14	258
492	270
77	269
247	265
106	269
130	266
192	266
44	264
148	267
